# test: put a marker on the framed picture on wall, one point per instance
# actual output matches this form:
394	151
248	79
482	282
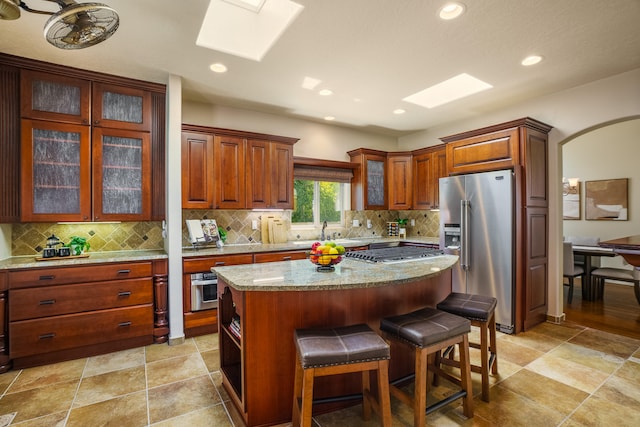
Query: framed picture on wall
607	199
571	199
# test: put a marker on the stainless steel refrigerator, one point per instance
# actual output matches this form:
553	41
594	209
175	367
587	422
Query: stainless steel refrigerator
477	223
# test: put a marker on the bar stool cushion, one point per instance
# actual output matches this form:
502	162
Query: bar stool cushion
474	307
426	326
339	346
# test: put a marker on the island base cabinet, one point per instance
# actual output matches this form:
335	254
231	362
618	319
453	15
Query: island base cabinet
258	368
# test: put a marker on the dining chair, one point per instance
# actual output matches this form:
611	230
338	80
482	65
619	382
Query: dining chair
570	270
600	275
584	241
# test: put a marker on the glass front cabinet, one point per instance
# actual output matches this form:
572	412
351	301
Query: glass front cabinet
85	150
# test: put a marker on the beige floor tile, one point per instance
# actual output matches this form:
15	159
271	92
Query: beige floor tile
598	360
129	410
106	386
545	391
630	370
42	376
515	353
212	360
601	412
37	402
6	379
207	417
216	377
532	339
607	342
58	419
562	332
155	352
207	342
511	409
175	369
114	361
179	398
568	372
620	390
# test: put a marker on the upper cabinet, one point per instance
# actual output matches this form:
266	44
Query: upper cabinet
56	98
247	170
269	175
121	107
91	145
369	184
429	165
400	167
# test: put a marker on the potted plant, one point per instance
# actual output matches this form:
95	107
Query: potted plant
78	245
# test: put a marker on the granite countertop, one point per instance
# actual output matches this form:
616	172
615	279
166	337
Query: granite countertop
301	245
301	275
19	262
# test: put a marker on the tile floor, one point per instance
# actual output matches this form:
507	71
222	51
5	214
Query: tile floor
553	375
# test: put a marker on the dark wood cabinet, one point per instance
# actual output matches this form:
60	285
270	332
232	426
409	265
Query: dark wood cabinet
269	167
197	171
279	256
61	313
520	145
429	165
248	170
46	110
229	161
400	167
54	97
369	186
121	107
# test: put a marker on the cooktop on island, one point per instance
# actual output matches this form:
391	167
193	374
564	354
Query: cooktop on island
395	254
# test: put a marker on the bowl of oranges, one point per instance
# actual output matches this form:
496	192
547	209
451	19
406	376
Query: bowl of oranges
326	255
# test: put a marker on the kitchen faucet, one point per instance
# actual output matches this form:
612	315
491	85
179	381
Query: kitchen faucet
324	225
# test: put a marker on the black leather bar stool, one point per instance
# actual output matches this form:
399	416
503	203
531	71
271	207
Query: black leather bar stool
428	331
480	310
323	352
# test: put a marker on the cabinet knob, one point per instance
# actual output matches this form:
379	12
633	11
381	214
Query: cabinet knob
286	258
96	122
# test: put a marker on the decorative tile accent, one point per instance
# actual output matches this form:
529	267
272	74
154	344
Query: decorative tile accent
237	223
29	239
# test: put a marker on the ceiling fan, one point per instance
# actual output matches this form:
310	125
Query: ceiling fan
74	26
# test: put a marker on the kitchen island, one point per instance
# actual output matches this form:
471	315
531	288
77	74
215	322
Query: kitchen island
260	305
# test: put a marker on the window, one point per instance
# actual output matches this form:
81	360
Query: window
318	201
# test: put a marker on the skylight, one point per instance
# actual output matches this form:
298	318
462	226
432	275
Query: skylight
455	88
240	31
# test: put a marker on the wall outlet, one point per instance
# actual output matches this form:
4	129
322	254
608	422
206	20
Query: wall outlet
356	223
254	224
413	222
369	223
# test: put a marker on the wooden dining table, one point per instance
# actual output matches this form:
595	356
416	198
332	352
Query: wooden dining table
588	290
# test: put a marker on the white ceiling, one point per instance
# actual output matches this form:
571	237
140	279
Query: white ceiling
378	51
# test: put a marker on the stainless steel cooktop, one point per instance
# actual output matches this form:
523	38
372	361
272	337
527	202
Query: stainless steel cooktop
395	254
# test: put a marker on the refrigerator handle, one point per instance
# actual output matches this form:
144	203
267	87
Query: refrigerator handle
464	234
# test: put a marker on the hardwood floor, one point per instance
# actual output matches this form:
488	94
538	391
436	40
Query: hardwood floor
618	312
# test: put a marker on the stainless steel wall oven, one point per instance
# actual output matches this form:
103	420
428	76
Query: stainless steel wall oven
204	291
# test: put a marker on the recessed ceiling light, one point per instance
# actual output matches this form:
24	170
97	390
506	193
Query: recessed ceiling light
451	10
329	118
218	68
325	92
456	87
399	111
531	60
252	5
310	83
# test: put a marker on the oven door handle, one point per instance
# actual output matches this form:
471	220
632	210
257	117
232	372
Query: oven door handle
203	282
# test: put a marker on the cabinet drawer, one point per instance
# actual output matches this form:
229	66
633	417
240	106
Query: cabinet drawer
279	256
30	337
65	299
90	273
199	265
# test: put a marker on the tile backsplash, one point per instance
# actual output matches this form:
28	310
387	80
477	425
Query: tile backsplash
237	223
30	238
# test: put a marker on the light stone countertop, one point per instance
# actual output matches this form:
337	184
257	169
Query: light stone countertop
301	275
20	262
232	249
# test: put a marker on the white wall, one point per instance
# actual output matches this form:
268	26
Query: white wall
317	140
608	152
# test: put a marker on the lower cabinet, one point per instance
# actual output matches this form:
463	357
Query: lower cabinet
62	313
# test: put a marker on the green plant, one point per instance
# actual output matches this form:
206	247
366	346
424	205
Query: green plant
78	245
222	233
402	222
